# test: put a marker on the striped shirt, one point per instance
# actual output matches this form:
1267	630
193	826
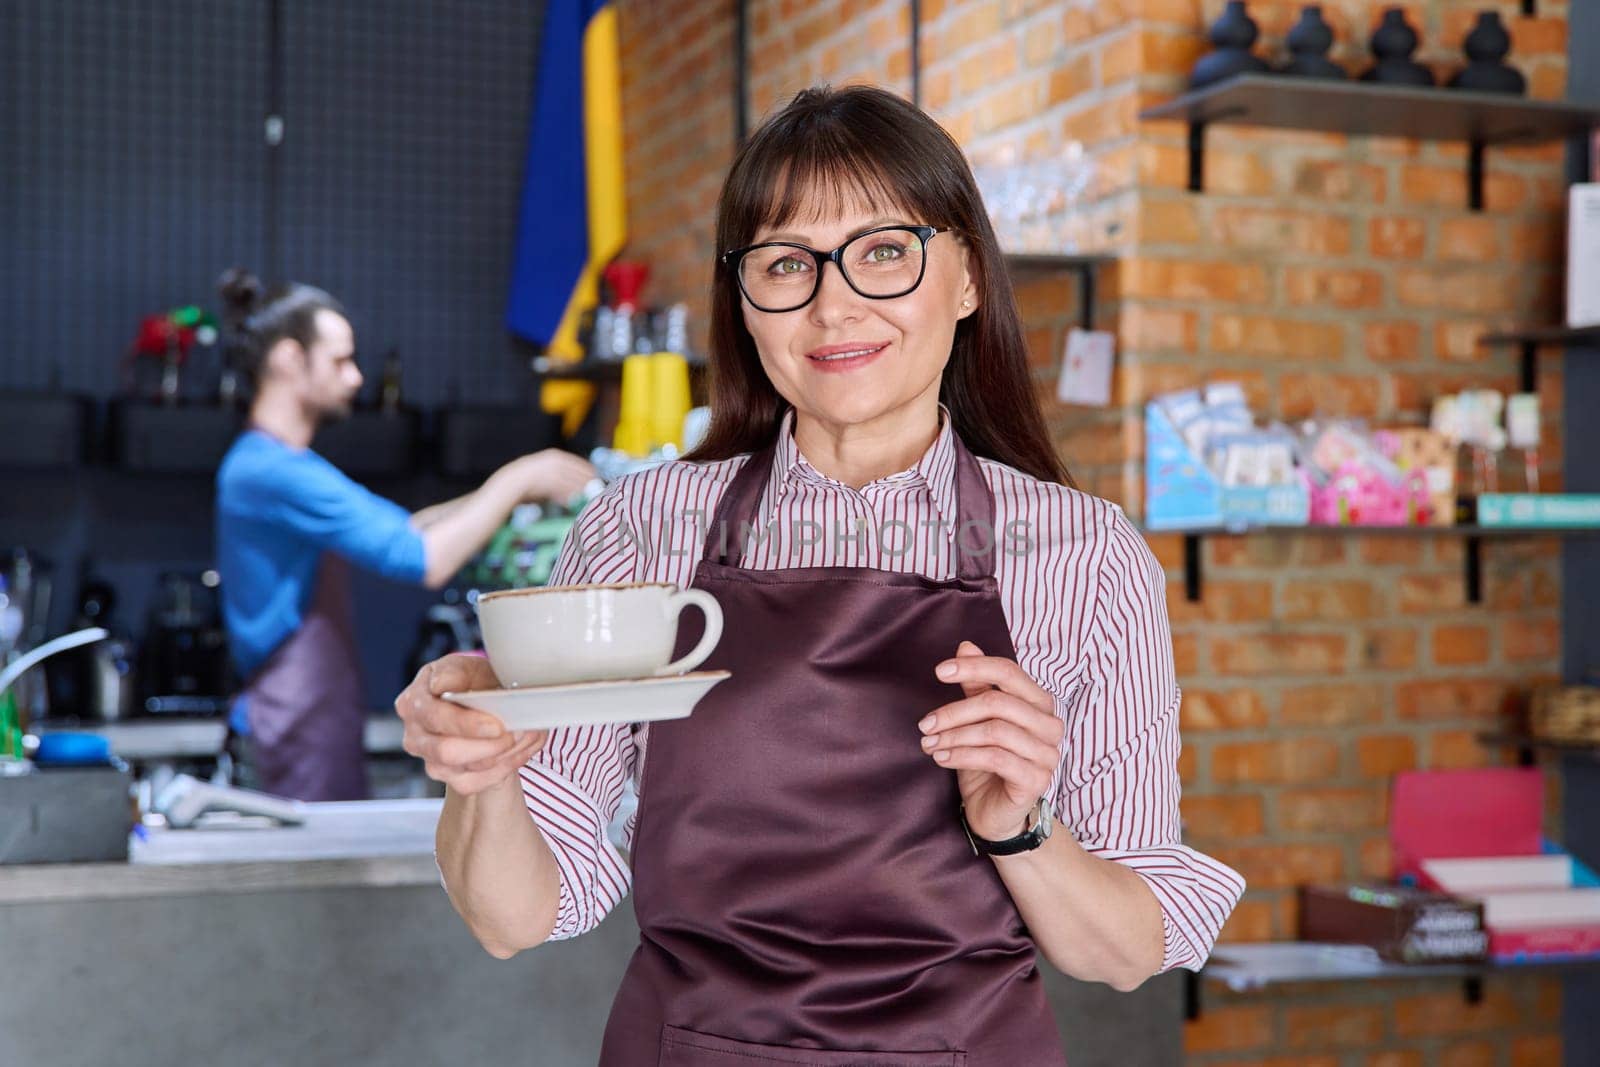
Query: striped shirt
1084	599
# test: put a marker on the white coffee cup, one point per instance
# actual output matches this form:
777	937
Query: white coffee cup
582	633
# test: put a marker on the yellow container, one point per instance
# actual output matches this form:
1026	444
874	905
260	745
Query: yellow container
669	393
634	418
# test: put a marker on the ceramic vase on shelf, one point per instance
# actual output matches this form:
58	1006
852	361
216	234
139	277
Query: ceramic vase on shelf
1392	44
1232	35
1487	71
1308	43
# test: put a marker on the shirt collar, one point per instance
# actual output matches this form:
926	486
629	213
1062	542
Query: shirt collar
934	474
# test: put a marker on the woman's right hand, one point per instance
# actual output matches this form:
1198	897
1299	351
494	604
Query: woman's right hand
469	751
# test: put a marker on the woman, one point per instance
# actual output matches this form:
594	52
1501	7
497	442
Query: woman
909	589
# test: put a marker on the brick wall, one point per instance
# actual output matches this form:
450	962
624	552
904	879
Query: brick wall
1330	276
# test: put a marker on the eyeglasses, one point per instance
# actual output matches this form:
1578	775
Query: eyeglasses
879	264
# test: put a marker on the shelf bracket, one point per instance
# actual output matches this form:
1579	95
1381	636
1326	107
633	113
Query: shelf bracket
1474	563
1086	296
1472	988
1475	175
1530	367
1191	567
1191	995
1197	155
1530	7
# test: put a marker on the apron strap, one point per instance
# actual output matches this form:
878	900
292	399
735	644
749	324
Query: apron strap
975	535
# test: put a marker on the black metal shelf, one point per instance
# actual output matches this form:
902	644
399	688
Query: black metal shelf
1528	747
1193	576
1366	109
588	370
1029	266
1532	338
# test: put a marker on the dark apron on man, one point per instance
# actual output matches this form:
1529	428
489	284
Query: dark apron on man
305	703
804	890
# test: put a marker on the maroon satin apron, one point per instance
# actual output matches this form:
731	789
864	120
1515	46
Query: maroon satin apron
804	891
305	703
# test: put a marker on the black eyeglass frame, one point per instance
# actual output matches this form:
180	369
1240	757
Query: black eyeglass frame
734	256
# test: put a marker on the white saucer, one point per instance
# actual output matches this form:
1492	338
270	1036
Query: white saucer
543	707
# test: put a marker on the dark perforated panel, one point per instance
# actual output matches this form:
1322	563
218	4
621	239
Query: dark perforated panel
133	169
406	125
130	169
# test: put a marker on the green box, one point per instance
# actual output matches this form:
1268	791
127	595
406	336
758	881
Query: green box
1553	510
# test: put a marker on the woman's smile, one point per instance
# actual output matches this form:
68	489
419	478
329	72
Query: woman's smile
835	359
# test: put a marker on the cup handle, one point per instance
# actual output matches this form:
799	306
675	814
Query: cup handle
712	611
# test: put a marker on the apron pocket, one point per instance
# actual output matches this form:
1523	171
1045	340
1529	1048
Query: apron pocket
687	1048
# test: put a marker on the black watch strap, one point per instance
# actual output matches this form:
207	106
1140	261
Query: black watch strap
1026	841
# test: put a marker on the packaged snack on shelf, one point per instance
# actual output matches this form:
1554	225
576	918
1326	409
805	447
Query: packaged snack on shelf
1433	456
1208	466
1356	481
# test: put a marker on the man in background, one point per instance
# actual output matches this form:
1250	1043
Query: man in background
289	524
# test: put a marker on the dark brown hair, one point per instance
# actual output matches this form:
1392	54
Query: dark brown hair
254	318
865	141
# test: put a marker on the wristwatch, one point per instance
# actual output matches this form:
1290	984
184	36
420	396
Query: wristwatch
1026	841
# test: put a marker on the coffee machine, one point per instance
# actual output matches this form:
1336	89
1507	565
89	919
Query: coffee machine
183	662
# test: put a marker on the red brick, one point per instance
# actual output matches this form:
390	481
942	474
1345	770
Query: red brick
1462	698
1273	230
1384	755
1339	1025
1284	866
1525	640
1391	649
1266	335
1228	1028
1151	328
1377	858
1476	291
1330	810
1230	173
1223	817
1468	1054
1340	179
1251	920
1188	765
1163	220
1456	748
1232	709
1392	342
1280	653
1304	395
1309	759
1447	1012
1395	1058
1331	705
1333	287
1233	283
1536	1050
1224	601
1433	186
1427	593
1458	646
1329	599
1397	237
1474	240
1458	341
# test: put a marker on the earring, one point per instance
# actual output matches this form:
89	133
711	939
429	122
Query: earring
965	304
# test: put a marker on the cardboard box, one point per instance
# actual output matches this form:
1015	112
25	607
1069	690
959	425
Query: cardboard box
1403	923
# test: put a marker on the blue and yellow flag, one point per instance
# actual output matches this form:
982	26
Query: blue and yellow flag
572	221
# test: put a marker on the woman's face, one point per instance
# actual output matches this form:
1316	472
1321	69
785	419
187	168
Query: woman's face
908	337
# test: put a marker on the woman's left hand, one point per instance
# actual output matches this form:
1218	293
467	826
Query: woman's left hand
1002	740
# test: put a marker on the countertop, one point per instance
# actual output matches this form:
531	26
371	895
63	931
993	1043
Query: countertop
341	845
159	738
